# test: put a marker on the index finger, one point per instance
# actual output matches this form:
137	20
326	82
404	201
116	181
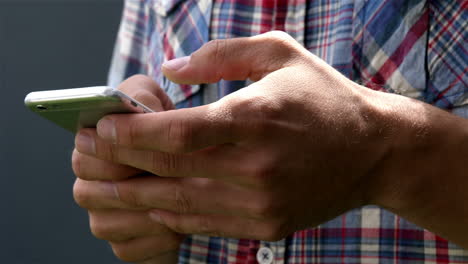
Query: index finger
145	90
175	131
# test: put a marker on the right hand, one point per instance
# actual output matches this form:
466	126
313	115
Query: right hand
133	236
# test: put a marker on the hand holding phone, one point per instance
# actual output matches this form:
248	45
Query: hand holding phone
78	108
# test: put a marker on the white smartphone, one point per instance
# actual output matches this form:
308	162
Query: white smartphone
78	108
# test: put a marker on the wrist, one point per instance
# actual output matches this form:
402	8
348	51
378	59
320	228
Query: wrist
404	127
420	163
423	176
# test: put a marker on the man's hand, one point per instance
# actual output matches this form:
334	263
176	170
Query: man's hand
134	237
298	147
290	151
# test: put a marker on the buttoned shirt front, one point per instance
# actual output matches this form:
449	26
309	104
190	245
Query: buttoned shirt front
416	48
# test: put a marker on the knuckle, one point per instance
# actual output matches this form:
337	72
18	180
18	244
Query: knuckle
216	48
127	194
111	152
280	36
122	252
216	45
81	194
142	80
98	229
136	83
178	226
165	164
209	47
265	207
182	202
281	44
76	162
128	133
179	136
108	233
199	226
89	173
280	40
219	51
137	78
205	227
265	108
261	110
143	96
216	51
262	176
133	132
275	231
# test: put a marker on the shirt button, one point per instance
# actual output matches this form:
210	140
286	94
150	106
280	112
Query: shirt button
265	256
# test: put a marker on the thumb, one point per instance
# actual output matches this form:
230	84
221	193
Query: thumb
234	59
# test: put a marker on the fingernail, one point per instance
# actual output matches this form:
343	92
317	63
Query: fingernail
176	64
85	143
106	129
109	190
155	216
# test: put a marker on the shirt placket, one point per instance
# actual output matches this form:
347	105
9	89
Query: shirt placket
271	252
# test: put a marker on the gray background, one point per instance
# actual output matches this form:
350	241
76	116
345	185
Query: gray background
47	44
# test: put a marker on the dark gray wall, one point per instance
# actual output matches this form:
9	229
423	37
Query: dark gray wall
47	44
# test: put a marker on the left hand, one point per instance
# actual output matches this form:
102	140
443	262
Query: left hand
293	150
133	236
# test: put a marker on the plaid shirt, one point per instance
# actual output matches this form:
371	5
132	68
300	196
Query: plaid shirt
417	48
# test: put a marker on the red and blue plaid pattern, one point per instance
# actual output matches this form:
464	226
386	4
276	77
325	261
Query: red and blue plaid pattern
447	54
417	48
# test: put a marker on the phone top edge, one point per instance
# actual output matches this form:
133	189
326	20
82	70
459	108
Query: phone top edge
65	94
133	101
